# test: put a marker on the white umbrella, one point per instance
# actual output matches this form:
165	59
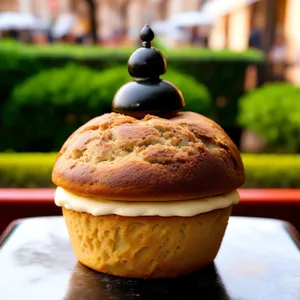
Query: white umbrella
161	27
63	25
192	18
166	28
17	21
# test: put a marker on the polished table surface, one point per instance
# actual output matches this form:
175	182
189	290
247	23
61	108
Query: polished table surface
258	259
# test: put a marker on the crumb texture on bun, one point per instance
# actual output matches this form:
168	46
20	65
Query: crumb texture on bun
146	247
122	158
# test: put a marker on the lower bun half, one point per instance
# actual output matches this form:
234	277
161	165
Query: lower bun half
146	247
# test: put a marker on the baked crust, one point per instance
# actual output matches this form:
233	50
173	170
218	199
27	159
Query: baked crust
146	247
118	157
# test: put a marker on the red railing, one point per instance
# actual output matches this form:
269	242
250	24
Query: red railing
269	203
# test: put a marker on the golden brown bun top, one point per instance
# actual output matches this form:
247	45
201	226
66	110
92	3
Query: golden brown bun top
118	157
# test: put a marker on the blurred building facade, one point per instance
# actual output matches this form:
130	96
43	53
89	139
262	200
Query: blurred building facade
131	15
113	17
237	22
270	25
42	8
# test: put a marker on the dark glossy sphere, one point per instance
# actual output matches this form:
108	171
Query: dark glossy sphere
146	63
137	99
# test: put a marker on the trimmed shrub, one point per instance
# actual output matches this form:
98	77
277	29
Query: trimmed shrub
273	112
15	66
90	52
49	106
262	171
223	72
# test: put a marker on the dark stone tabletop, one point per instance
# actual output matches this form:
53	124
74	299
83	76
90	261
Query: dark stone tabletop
259	259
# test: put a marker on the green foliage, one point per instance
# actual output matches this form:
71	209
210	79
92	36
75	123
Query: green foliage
196	95
45	109
262	171
15	66
48	106
273	112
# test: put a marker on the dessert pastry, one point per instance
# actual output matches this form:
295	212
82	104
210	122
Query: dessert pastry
147	192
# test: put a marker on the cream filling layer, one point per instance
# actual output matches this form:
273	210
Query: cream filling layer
100	207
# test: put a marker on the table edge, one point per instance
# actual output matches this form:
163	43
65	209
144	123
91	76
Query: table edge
8	230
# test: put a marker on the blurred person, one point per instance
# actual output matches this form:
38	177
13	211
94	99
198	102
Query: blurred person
254	77
49	29
277	56
62	28
198	36
255	38
11	34
26	36
278	51
81	30
195	36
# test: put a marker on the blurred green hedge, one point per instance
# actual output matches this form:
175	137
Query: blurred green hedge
273	112
223	72
44	110
262	171
26	170
272	170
